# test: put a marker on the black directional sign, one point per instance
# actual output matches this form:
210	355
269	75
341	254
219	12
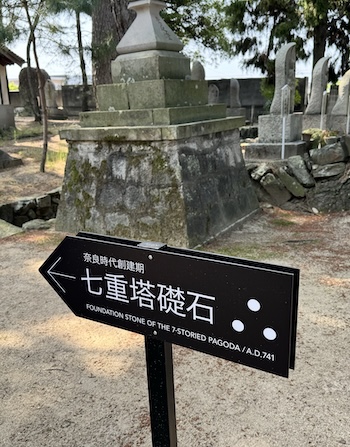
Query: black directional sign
239	310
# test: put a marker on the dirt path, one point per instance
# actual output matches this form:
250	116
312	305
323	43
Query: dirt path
71	382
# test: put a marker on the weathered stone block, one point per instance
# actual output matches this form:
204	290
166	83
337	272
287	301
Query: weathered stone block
179	115
272	151
270	128
179	191
275	188
260	171
112	96
43	201
117	118
331	153
158	93
167	116
291	183
6	161
300	171
146	65
167	93
326	171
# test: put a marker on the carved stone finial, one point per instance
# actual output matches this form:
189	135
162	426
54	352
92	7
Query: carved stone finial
148	31
319	85
285	74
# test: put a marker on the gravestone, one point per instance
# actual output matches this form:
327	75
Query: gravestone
271	126
229	91
312	117
156	162
213	94
338	119
197	71
51	102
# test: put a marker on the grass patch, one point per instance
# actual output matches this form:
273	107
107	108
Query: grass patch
34	153
32	130
279	222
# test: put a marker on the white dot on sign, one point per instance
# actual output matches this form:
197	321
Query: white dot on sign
238	325
155	332
150	257
270	334
254	305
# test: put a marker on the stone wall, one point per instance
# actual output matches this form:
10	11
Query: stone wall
178	191
319	181
31	208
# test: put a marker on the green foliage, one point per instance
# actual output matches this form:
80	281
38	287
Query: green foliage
204	21
262	27
267	89
79	6
13	87
317	136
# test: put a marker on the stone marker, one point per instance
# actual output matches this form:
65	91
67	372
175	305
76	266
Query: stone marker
269	144
319	85
285	75
156	162
341	106
198	71
213	94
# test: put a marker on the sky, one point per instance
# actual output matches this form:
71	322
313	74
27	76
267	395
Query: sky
222	69
55	65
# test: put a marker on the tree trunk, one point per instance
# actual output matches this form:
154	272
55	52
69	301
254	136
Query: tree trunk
41	82
110	20
84	105
320	39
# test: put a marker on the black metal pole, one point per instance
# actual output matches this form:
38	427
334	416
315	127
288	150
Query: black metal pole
160	375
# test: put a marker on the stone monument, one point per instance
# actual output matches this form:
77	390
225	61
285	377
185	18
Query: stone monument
156	162
51	102
271	126
312	116
338	119
197	71
228	92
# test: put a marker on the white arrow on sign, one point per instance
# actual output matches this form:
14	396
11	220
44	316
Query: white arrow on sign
52	274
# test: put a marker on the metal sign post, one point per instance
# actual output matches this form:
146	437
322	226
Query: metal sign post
285	111
323	109
348	118
160	376
240	310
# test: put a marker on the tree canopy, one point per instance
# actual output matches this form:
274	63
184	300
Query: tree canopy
261	27
251	29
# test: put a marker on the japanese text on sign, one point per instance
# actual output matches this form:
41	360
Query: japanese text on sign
155	297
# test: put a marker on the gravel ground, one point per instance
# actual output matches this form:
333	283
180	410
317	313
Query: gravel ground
70	382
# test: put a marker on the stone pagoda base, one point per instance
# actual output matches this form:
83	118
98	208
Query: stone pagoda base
181	185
